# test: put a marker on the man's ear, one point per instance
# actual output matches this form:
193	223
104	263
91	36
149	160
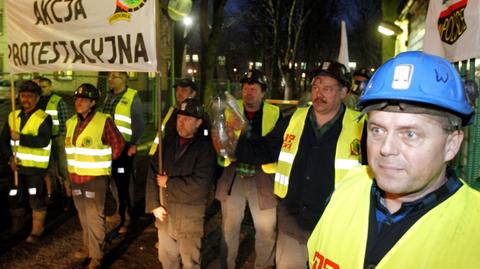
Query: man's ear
454	141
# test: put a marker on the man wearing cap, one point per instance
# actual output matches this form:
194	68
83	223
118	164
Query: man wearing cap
360	80
125	107
243	183
27	133
186	179
54	105
407	209
314	147
184	89
92	141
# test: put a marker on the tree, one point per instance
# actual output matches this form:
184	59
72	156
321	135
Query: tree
209	39
286	20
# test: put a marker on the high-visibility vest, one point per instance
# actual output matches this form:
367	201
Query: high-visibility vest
28	156
270	116
52	110
123	114
88	156
347	153
154	146
447	236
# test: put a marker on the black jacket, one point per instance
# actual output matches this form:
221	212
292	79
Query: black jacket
190	171
312	176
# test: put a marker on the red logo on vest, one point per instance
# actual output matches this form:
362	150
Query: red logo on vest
287	141
320	262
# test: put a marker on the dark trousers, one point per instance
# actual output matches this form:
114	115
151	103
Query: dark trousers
31	190
89	200
121	173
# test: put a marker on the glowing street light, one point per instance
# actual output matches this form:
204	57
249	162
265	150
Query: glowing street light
187	20
389	29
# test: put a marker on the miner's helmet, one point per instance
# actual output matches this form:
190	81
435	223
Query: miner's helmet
29	86
363	72
186	83
420	79
255	76
191	107
87	90
335	70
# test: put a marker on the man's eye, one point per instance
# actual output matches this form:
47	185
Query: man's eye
411	134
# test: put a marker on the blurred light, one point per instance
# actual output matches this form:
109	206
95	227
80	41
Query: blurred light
385	31
190	71
235	70
304	75
352	65
389	28
187	21
195	58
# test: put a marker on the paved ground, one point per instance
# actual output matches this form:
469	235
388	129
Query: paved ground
133	250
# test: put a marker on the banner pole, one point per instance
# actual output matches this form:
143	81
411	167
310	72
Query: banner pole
159	103
14	123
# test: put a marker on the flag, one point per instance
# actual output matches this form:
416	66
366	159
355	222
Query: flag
451	29
343	53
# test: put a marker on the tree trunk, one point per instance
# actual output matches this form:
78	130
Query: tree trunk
210	37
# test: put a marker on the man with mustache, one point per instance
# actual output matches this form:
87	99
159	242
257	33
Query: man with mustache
314	148
242	183
407	209
27	132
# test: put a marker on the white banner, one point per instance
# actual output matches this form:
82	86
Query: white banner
452	29
94	35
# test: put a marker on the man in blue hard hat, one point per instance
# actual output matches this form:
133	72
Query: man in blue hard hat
407	209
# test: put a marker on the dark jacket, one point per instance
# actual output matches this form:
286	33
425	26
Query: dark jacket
264	182
311	178
190	171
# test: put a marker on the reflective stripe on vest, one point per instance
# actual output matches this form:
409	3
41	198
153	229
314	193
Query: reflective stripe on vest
447	236
52	110
347	154
122	117
28	156
154	146
270	115
88	156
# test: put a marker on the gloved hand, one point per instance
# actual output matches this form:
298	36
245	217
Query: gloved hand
160	213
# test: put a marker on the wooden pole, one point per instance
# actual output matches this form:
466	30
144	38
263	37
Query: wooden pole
14	123
159	102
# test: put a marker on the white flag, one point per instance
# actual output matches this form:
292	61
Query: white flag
452	29
343	53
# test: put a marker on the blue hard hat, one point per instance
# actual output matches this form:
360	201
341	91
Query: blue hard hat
421	78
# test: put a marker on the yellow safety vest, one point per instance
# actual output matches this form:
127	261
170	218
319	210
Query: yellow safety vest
154	146
28	156
270	115
447	236
88	156
347	153
52	110
122	116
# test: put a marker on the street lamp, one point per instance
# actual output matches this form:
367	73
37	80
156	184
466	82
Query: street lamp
389	28
187	20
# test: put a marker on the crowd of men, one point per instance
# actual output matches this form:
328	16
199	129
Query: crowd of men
358	178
